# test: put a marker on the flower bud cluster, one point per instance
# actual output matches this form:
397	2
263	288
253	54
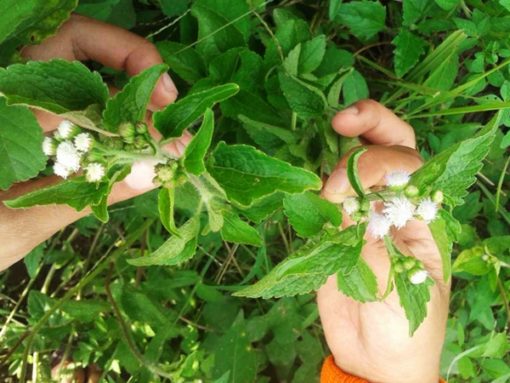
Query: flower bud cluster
402	205
69	148
412	267
169	175
134	137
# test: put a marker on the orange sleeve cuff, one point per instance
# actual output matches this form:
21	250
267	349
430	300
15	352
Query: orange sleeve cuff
331	373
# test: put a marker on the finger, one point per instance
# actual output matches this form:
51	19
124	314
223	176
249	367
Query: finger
375	123
82	38
373	166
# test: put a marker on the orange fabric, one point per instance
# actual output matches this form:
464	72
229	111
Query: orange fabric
331	373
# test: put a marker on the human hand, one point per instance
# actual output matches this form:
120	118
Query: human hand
371	340
82	38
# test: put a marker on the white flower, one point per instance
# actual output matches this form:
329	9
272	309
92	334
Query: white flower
351	205
61	170
49	146
68	156
398	210
94	172
66	129
418	277
378	225
397	179
83	142
427	210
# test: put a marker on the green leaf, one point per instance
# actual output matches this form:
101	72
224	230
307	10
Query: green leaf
58	86
334	6
247	174
175	250
263	207
408	49
183	60
166	202
196	150
21	140
352	171
306	100
472	261
291	62
453	170
213	197
414	10
76	192
307	213
309	267
359	283
354	88
312	53
268	137
413	299
172	121
441	229
130	104
29	22
33	260
236	230
364	18
448	5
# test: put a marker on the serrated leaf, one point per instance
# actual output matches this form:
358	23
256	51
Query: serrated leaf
21	140
175	250
172	121
247	174
29	22
453	170
312	53
130	104
76	192
291	62
471	261
196	150
309	267
352	171
235	230
408	49
212	196
359	283
364	18
263	207
307	213
306	100
413	299
58	86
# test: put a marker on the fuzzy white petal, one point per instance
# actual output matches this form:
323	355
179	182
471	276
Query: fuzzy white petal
351	205
398	178
83	142
418	277
61	170
94	172
378	225
427	210
66	129
49	146
398	211
68	156
142	175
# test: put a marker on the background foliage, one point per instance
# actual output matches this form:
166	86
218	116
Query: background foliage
441	65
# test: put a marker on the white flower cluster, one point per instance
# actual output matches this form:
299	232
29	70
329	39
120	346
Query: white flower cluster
397	210
69	146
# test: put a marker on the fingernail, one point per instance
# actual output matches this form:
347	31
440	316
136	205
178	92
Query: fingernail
338	183
351	110
169	85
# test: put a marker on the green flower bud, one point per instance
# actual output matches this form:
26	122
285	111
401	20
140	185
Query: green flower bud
399	268
365	205
409	263
438	196
411	191
140	142
141	128
127	132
